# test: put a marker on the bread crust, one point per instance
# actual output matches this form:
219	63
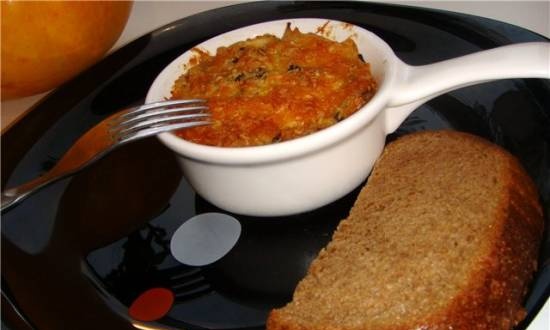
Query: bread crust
493	296
493	299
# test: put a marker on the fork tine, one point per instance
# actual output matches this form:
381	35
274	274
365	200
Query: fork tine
128	126
161	104
133	116
136	134
158	117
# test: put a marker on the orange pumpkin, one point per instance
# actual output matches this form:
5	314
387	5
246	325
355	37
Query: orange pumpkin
44	44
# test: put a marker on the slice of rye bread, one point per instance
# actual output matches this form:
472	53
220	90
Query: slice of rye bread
445	235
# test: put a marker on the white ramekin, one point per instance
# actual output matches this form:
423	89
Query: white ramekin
311	171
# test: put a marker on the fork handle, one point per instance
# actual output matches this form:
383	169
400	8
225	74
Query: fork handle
9	200
12	196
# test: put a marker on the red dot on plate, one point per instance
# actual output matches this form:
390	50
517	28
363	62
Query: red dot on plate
151	305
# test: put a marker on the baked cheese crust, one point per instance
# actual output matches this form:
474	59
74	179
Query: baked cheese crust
267	89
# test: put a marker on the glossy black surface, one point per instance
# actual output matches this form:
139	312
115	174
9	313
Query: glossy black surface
75	255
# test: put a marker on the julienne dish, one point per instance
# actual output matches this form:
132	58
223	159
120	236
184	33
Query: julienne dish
311	171
266	89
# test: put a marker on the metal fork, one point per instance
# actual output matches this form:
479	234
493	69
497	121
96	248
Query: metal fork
124	126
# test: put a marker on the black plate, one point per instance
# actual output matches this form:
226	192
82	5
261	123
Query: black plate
75	255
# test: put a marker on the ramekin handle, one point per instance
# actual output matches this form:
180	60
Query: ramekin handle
418	84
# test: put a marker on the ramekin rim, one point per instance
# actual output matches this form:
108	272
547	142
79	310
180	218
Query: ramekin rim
297	147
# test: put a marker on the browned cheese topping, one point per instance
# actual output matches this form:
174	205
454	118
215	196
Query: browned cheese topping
268	89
